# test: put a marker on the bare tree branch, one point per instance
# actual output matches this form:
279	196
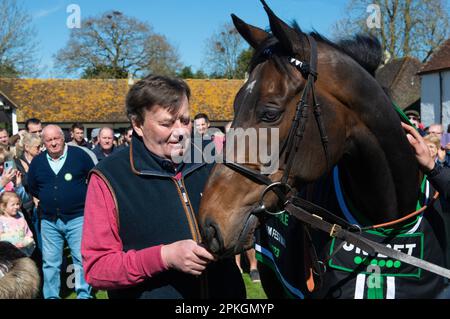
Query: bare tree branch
114	45
18	47
222	52
408	27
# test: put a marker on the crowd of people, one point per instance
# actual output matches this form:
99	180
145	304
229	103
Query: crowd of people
126	210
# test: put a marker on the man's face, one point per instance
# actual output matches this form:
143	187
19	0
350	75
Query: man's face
78	135
106	139
4	137
435	130
165	134
201	125
35	128
128	136
54	142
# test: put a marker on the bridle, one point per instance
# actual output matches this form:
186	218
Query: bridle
310	214
296	132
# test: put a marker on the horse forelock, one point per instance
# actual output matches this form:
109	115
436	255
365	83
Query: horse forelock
271	49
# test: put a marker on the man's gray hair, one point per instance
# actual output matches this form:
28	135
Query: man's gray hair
104	129
52	126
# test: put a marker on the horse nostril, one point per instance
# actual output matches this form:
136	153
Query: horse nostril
211	236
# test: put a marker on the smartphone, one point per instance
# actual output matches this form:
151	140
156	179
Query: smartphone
9	165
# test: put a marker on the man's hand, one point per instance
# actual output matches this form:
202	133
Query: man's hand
420	147
186	256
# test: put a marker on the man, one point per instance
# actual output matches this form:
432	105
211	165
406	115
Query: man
156	252
94	137
4	138
201	123
127	136
439	178
436	130
77	134
105	146
414	118
33	126
437	175
201	130
57	177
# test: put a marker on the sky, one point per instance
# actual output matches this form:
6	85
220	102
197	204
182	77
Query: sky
186	23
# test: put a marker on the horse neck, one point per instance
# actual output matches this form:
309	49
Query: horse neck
381	159
374	189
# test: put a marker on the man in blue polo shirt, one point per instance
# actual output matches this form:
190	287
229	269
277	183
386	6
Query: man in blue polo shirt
57	177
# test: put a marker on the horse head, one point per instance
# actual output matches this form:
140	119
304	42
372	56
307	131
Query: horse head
354	126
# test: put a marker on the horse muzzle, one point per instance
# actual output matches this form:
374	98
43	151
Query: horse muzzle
212	237
215	242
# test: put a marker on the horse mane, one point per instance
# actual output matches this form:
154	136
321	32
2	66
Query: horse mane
363	48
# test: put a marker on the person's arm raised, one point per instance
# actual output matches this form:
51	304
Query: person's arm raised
420	147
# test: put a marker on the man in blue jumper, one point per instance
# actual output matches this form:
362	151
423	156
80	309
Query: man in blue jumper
57	177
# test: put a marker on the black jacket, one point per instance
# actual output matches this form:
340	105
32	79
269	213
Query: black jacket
154	208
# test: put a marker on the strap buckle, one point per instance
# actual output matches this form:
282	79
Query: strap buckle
334	230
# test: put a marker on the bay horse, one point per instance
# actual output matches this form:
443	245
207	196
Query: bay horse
357	132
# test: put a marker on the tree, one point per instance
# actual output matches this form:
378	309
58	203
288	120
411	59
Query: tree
17	41
104	72
186	73
113	45
222	52
8	71
162	57
200	74
407	27
243	62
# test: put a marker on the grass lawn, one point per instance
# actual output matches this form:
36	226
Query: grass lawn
254	290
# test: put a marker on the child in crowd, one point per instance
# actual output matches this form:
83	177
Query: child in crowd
13	226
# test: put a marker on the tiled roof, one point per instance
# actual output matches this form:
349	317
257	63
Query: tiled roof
400	77
103	101
440	60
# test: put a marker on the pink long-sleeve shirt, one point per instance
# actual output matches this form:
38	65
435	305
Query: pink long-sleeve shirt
105	264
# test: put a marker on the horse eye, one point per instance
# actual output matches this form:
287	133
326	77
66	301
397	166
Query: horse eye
270	116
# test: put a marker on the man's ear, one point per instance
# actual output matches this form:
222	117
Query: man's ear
137	126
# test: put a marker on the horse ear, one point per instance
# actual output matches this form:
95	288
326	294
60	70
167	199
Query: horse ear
253	35
288	37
